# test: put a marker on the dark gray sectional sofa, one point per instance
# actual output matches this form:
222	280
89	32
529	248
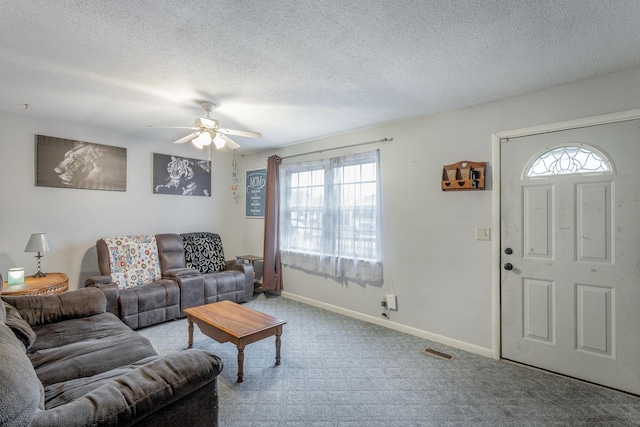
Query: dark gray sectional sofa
66	361
149	279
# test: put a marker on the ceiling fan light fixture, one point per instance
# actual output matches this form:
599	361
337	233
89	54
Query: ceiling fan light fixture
203	139
206	130
218	141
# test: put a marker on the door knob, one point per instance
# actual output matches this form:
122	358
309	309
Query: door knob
508	251
508	266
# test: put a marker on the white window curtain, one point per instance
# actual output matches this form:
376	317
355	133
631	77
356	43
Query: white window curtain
330	216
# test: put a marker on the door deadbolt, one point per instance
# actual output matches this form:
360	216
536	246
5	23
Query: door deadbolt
508	251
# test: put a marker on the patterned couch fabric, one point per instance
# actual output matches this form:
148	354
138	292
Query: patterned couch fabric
203	251
133	260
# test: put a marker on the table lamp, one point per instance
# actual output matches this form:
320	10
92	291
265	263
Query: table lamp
38	242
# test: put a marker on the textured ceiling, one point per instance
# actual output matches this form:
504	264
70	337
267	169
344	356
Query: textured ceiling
296	70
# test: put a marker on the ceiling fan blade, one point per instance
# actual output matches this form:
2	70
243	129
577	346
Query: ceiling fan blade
187	138
173	127
230	143
246	133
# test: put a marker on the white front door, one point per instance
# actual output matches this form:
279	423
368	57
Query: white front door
570	281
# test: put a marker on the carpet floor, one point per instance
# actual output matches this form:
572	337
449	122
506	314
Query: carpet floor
340	371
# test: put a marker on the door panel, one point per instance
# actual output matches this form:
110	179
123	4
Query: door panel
571	302
538	310
595	319
538	227
593	237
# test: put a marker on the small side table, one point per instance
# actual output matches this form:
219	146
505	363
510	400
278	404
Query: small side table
52	283
252	260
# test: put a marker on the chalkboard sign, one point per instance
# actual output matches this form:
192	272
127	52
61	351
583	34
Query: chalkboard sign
256	184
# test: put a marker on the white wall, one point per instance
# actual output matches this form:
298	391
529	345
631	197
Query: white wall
75	219
441	275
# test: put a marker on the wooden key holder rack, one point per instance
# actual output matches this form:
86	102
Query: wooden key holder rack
463	175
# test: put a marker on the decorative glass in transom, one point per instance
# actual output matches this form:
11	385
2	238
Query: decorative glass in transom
568	160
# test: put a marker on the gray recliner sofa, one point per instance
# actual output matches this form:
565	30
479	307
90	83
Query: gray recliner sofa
132	282
203	252
151	279
66	361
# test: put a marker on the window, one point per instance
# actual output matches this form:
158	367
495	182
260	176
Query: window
569	160
330	216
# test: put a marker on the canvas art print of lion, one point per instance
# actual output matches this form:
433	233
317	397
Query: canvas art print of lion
79	164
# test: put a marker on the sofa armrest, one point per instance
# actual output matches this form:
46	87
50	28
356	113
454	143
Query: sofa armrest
138	393
230	262
180	272
109	289
245	268
43	309
98	280
249	277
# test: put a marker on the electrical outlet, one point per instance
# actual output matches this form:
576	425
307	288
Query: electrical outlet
392	302
384	301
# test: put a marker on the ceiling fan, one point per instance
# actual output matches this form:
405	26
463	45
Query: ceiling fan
207	130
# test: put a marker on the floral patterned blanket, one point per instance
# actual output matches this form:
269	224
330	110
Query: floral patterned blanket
134	260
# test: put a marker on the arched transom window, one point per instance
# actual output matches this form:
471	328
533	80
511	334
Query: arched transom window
570	160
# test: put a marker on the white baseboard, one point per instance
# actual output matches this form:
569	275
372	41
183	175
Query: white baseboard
471	348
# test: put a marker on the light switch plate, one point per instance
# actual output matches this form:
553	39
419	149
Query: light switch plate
483	233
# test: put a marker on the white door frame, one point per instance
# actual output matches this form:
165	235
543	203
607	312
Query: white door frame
496	208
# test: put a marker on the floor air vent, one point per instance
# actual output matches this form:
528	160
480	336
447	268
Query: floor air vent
437	353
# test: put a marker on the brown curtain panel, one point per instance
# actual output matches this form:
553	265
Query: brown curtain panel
272	273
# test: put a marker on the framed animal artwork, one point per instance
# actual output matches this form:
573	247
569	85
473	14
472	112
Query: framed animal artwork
67	163
181	175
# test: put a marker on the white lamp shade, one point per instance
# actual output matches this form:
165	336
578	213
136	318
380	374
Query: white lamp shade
203	139
38	242
218	142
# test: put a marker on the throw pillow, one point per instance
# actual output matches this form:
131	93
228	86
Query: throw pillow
19	326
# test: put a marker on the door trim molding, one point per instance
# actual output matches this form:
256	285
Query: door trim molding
496	137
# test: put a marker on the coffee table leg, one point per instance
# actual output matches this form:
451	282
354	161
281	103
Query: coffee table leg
240	363
190	334
277	349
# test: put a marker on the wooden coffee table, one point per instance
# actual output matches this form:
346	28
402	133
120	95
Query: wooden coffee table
226	321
